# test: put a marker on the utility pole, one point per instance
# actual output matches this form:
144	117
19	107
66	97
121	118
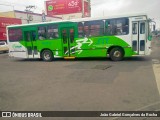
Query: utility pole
29	9
43	16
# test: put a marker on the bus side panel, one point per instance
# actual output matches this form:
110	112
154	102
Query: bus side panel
16	49
54	45
129	52
91	53
98	46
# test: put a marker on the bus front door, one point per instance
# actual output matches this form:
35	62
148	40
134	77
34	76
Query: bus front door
31	43
68	35
139	37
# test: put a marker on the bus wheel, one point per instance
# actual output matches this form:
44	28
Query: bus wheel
47	55
116	54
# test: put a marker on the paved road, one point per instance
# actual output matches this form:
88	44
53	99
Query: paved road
80	85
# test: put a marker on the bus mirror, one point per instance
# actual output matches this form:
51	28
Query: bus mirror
150	37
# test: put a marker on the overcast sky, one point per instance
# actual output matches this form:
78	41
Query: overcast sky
99	7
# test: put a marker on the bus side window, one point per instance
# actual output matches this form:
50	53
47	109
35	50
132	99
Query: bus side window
94	28
41	33
111	28
33	35
108	27
125	26
142	28
64	36
86	31
134	28
52	32
15	35
97	28
28	37
72	35
80	30
118	26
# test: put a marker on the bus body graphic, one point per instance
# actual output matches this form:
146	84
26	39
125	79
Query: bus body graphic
116	37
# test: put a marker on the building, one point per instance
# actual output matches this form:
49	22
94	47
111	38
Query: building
21	17
55	10
4	21
29	17
68	9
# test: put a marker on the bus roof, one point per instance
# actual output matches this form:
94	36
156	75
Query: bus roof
40	23
107	17
79	20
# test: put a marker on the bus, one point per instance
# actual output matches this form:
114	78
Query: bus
113	37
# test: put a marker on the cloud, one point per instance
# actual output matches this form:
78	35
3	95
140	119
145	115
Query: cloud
21	5
99	7
119	7
113	5
109	7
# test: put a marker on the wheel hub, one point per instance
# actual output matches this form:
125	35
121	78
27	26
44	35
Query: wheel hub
117	54
47	56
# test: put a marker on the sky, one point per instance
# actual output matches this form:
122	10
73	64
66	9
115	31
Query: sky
99	8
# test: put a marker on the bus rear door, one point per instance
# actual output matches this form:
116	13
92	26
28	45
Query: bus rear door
139	37
30	38
68	40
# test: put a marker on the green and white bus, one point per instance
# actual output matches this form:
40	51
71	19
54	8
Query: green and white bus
116	37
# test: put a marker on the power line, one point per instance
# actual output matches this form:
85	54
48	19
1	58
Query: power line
8	5
16	4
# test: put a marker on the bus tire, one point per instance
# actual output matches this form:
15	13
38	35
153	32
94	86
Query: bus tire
47	55
116	54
